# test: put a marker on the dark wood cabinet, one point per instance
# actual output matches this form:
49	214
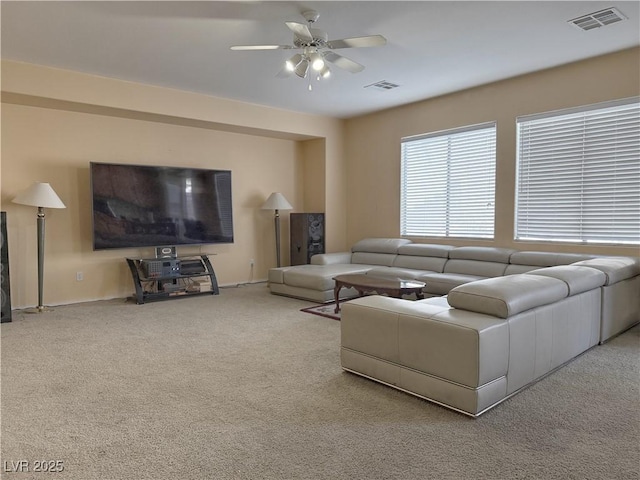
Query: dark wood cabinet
307	236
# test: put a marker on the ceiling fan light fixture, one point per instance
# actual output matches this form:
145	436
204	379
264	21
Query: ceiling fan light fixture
317	62
325	72
302	68
317	51
293	62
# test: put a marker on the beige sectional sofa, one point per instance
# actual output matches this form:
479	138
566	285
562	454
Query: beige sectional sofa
490	339
442	267
496	319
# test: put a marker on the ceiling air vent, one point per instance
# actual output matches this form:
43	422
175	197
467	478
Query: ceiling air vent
383	85
598	19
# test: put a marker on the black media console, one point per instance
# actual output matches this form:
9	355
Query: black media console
165	278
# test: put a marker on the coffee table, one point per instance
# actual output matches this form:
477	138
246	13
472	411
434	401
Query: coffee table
370	284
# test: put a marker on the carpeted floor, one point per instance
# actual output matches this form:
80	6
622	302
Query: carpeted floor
246	386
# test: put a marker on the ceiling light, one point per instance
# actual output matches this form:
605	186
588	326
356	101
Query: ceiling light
325	72
316	50
317	63
293	62
302	68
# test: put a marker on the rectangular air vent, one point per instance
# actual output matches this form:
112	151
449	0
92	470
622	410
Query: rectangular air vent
598	19
383	85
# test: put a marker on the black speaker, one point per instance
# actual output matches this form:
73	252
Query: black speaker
5	288
307	236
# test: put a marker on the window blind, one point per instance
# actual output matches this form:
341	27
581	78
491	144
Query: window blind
578	175
448	183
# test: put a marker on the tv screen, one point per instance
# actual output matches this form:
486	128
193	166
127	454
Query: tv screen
148	206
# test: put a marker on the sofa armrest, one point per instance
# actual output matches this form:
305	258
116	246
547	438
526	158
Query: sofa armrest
331	258
506	296
616	269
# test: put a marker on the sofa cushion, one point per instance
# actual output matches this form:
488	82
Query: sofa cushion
317	277
615	268
379	245
395	273
371	258
432	264
578	279
483	254
514	269
506	296
475	267
438	301
546	259
425	250
441	283
329	258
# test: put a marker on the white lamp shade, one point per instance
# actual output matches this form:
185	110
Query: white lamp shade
276	201
39	195
302	68
317	63
293	62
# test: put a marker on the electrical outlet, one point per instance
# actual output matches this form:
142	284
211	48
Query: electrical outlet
79	276
252	262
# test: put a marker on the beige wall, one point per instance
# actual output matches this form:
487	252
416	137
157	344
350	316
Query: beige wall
313	152
373	141
55	122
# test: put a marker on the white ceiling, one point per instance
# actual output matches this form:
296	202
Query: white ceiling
433	47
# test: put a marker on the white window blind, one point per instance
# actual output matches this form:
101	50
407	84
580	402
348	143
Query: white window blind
448	183
578	175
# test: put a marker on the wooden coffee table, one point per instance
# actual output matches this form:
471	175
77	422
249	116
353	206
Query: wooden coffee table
370	284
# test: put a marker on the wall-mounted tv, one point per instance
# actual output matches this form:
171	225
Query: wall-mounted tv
149	206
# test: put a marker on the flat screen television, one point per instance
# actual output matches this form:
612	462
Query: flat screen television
149	206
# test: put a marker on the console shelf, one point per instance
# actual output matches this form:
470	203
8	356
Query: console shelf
165	285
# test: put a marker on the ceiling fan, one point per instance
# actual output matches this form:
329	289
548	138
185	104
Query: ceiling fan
317	49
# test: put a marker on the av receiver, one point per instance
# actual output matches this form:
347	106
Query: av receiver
161	267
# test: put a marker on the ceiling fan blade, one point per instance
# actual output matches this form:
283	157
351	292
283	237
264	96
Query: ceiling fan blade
343	62
300	30
357	42
262	47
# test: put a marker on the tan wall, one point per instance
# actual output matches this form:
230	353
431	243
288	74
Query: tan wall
55	122
373	141
314	153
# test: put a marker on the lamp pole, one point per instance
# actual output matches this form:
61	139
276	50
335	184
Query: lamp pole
276	220
277	202
40	221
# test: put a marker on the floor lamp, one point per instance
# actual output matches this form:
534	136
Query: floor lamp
276	201
40	195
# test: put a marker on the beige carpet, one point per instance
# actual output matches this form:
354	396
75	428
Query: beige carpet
246	386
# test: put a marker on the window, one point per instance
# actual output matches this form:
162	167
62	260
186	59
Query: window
448	183
578	175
